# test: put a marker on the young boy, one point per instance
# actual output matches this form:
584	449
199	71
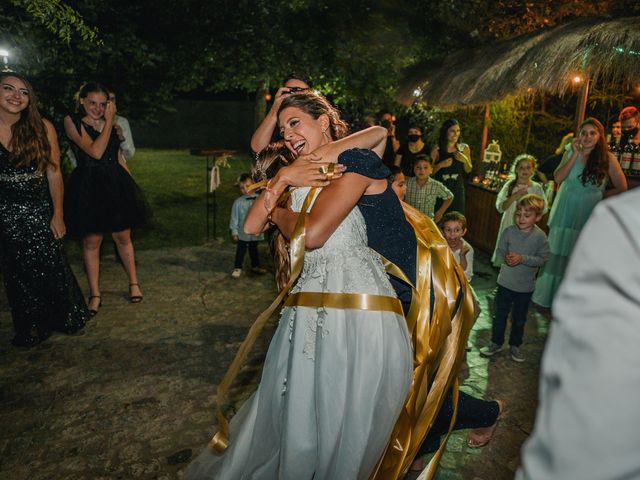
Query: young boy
423	191
244	241
454	228
524	249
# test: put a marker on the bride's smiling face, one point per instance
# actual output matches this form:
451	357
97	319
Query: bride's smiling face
302	133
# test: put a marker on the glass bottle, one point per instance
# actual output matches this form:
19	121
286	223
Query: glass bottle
635	159
625	158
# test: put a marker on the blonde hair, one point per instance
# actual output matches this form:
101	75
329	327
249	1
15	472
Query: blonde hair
532	202
269	161
523	157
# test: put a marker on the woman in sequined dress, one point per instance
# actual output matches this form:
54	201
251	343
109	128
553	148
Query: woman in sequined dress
43	293
102	197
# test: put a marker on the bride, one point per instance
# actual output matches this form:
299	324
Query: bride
339	367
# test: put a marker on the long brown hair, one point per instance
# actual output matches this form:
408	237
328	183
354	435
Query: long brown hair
316	105
269	161
597	165
29	142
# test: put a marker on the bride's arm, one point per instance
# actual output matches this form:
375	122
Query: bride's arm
305	170
331	207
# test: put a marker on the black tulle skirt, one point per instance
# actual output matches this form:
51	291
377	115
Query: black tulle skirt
103	199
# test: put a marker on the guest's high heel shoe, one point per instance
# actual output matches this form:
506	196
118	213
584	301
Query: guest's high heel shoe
94	311
134	298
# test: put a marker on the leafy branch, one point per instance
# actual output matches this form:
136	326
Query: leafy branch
59	18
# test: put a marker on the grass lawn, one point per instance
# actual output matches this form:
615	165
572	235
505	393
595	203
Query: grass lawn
174	184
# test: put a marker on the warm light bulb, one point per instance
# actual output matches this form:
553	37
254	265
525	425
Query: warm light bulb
577	79
267	97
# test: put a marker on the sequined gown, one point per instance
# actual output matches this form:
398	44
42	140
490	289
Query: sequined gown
334	380
42	291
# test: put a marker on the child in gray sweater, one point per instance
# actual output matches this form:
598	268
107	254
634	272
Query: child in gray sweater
523	248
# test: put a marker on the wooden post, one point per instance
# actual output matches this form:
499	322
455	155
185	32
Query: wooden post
581	106
260	110
485	137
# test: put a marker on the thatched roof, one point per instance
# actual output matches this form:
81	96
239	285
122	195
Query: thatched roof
606	49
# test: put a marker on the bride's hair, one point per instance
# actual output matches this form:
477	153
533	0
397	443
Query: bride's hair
269	161
316	105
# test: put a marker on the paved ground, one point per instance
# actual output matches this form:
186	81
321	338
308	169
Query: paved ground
133	397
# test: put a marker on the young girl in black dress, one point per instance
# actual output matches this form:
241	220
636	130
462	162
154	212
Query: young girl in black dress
101	195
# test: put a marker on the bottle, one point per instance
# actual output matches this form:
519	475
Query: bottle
635	159
625	158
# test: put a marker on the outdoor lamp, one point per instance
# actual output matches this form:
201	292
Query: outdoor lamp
577	79
4	53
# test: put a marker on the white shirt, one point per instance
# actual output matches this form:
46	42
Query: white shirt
456	253
127	146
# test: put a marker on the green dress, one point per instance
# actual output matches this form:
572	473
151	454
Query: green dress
571	210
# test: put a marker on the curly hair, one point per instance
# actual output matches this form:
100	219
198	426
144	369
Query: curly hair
29	142
523	157
316	105
597	165
271	159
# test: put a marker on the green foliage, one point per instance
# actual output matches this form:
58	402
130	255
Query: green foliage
59	18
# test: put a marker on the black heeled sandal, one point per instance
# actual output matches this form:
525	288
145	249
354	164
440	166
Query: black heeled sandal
134	298
93	312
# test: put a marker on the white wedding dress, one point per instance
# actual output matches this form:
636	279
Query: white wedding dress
334	381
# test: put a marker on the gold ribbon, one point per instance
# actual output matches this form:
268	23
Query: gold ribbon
356	301
439	339
257	185
220	440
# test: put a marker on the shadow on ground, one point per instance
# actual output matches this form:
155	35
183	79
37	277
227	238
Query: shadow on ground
133	397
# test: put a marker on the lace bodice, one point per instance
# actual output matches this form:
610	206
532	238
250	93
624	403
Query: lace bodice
345	263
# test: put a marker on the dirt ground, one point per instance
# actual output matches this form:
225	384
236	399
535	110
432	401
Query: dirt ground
133	397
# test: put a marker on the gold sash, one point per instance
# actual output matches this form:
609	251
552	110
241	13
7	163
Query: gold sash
439	340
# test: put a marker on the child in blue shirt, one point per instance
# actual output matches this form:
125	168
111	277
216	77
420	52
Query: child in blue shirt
244	241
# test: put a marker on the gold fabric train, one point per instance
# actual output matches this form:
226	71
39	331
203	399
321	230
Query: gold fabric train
439	340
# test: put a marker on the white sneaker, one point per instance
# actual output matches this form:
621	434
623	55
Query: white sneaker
516	354
236	272
491	350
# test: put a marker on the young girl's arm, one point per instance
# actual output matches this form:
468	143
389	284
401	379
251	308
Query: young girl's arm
56	185
504	201
94	148
617	177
